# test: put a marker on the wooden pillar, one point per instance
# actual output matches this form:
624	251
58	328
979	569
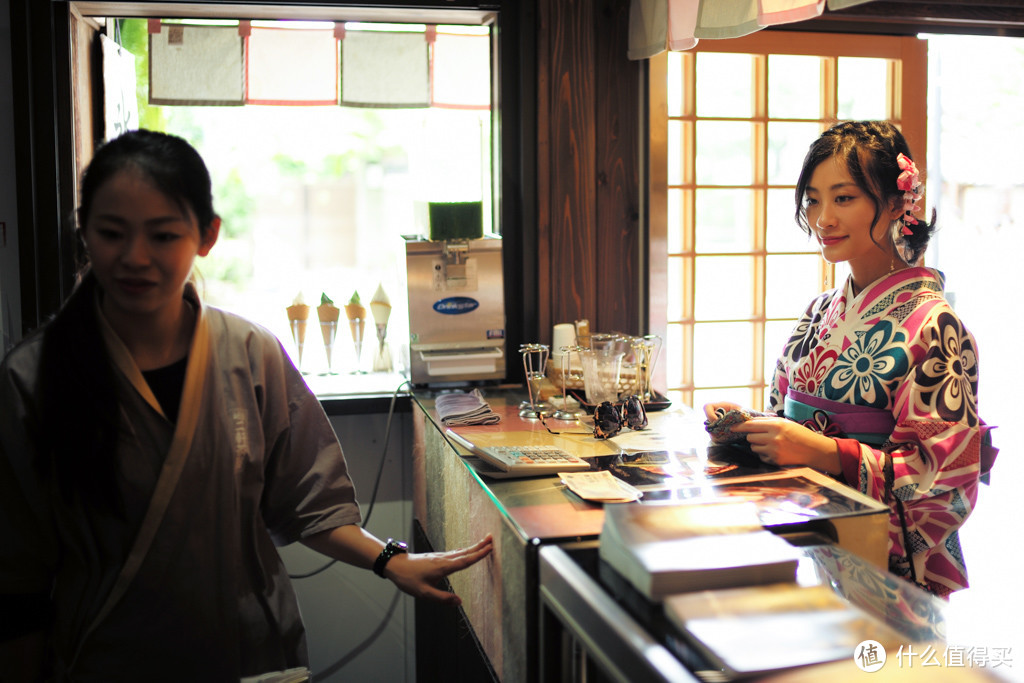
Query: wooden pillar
590	237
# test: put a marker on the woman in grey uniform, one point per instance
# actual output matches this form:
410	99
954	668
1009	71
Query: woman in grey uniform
154	451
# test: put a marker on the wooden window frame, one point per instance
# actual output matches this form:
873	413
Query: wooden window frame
905	106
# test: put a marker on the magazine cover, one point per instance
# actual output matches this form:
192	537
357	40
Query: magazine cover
667	470
756	630
784	496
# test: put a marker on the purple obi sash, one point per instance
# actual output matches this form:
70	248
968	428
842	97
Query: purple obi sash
871	426
867	425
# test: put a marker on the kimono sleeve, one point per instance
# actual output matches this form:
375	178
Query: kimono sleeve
938	414
934	449
935	445
307	488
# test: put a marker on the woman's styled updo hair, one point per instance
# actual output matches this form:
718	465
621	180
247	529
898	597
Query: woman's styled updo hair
869	150
170	163
80	411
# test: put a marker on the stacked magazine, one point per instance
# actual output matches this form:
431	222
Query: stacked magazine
750	631
666	549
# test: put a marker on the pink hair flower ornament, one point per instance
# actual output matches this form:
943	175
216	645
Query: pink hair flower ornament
909	182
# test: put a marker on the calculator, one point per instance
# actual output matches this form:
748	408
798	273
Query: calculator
523	461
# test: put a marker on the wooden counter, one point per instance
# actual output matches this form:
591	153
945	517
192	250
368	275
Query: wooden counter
455	506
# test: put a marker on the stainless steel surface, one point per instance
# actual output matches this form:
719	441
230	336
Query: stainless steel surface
535	360
456	310
623	650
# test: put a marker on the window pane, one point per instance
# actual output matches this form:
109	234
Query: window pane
842	273
724	85
676	398
724	220
737	396
675	152
794	87
725	205
776	333
787	146
783	232
792	281
724	287
862	88
675	221
673	355
320	204
450	147
721	353
674	75
724	153
675	288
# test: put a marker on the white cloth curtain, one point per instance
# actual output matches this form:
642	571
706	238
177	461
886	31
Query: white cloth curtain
460	71
659	25
385	70
180	60
292	66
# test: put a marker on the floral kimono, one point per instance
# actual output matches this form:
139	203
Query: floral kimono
892	374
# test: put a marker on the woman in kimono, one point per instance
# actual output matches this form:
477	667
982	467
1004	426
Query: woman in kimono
153	451
877	385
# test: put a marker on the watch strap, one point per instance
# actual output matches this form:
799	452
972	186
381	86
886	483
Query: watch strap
391	549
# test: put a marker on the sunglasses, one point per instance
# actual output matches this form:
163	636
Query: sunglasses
609	419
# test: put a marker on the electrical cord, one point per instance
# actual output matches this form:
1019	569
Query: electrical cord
376	483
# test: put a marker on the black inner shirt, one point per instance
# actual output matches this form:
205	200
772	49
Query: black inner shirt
167	383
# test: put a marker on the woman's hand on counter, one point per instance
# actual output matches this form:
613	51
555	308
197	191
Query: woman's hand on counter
415	573
419	573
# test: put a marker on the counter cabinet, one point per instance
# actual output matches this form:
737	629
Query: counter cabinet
537	610
453	506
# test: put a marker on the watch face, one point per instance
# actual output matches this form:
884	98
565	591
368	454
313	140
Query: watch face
399	546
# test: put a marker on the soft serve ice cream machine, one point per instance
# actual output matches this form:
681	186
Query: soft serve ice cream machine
456	310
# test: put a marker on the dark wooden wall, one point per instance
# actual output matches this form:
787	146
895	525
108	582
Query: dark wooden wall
589	155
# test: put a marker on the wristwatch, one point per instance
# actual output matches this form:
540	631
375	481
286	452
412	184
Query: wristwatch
392	548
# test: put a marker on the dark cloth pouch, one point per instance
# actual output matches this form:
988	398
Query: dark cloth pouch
720	429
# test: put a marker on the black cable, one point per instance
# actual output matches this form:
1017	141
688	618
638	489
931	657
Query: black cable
376	483
387	438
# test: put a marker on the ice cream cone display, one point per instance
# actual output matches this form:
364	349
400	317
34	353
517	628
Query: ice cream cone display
380	306
298	318
328	314
356	314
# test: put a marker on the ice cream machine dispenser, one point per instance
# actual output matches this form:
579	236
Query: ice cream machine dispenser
456	310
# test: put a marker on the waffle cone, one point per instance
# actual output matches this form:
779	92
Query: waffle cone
328	313
299	313
353	311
